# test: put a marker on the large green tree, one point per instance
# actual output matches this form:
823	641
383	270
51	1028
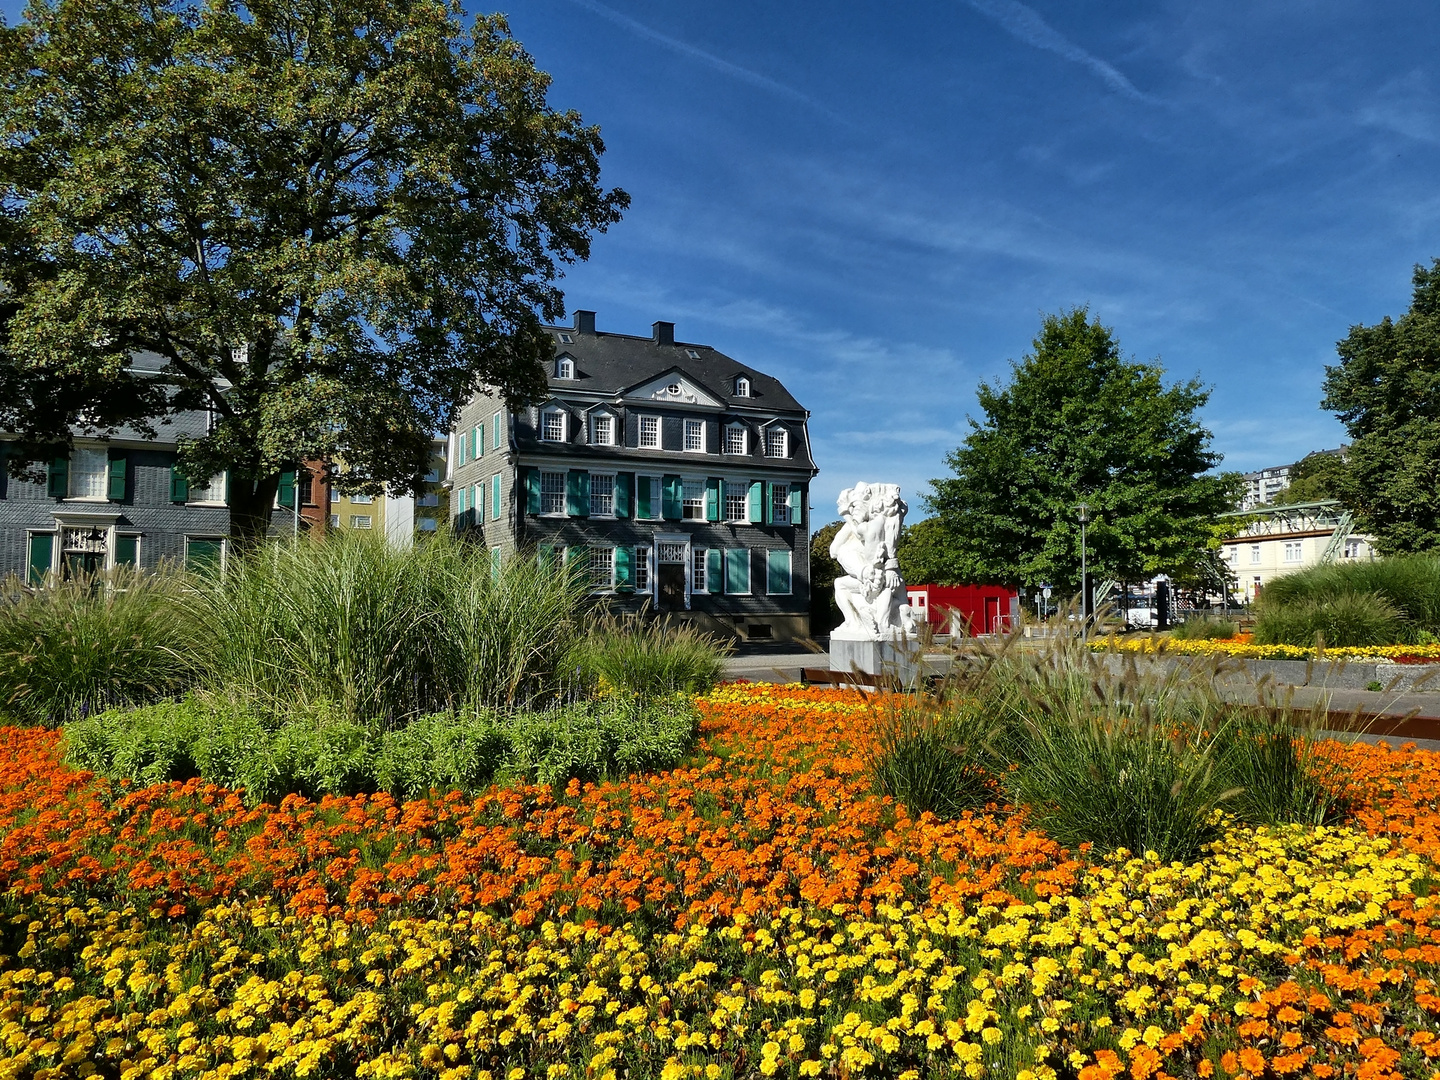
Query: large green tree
1386	389
1076	423
331	218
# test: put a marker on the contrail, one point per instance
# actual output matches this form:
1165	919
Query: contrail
1027	25
735	71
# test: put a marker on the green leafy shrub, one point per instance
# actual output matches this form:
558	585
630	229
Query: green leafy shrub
933	760
1205	628
78	647
612	737
1407	584
444	752
1336	620
653	657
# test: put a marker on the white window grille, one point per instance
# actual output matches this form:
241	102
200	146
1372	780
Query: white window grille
695	436
564	369
780	504
552	426
360	521
697	571
211	491
642	569
1292	551
89	471
363	500
1254	553
671	552
742	386
604	427
650	432
552	493
602	494
1352	549
737	499
736	441
692	505
777	443
602	567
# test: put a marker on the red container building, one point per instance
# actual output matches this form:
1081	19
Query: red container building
966	610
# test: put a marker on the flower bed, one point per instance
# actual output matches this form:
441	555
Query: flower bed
1243	648
759	914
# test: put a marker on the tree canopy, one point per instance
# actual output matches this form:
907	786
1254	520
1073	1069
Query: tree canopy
927	554
331	219
1386	390
1079	423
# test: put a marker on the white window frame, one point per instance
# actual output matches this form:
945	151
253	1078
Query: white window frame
558	413
1352	549
599	583
780	504
1294	551
744	433
498	429
784	435
362	500
554	494
564	367
334	521
652	420
699	577
744	488
694	425
99	480
1254	554
789	573
610	422
688	484
212	492
643	577
742	386
602	476
356	519
749	572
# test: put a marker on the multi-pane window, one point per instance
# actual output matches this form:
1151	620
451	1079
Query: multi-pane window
365	499
780	503
692	505
564	368
735	440
552	425
642	569
695	436
602	567
742	386
211	491
602	494
777	443
1352	549
334	521
552	492
1254	553
650	432
697	572
360	521
1292	551
89	473
604	427
737	497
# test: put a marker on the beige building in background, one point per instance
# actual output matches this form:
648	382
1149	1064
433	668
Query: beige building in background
1280	540
398	517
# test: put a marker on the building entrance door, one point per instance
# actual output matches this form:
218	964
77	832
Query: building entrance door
992	613
672	587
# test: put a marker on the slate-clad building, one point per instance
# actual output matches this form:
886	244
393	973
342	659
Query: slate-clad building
678	474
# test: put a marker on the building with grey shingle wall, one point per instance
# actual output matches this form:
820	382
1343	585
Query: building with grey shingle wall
679	475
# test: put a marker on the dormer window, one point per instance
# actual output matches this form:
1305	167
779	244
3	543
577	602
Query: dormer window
566	338
692	354
737	440
564	368
777	443
742	386
602	430
552	424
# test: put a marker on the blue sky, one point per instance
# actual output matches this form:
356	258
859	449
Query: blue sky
876	203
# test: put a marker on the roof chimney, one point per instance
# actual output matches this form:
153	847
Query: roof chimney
585	322
663	333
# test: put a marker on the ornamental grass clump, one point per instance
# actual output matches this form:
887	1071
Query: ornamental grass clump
1205	628
1388	601
1345	619
934	760
651	657
80	646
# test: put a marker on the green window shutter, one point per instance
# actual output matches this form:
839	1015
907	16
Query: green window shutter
286	494
115	485
673	491
126	549
461	458
769	502
532	491
643	498
479	437
797	504
58	482
624	483
757	501
42	551
737	571
495	564
712	498
227	487
625	568
545	556
496	427
203	554
577	493
179	485
777	573
495	498
713	559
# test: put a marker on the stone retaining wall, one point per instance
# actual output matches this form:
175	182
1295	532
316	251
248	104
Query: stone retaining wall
1329	674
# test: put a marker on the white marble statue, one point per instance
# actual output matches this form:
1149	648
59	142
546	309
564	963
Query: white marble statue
872	594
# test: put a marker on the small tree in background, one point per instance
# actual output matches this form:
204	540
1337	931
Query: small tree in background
824	611
330	218
927	554
1077	422
1386	389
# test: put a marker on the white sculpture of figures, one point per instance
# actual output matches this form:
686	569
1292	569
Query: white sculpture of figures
872	594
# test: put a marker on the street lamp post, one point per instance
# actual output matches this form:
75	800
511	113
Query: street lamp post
1082	511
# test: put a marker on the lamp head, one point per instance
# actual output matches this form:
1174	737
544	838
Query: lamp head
1082	512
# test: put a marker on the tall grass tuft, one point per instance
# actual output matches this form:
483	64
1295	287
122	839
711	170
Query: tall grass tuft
1356	598
933	760
1205	628
386	634
652	657
80	646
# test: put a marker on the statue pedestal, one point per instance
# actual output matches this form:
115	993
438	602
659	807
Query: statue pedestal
896	656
